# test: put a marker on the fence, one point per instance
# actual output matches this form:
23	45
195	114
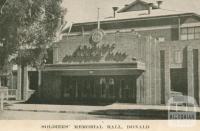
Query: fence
6	93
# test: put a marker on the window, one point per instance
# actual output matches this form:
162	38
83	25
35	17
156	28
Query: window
103	87
177	57
197	33
111	81
3	81
111	88
184	34
161	39
190	33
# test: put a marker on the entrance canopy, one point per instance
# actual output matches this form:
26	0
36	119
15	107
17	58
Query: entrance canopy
134	68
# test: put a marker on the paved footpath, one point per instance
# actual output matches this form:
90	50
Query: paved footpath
87	109
53	108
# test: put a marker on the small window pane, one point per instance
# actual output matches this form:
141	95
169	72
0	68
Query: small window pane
111	81
161	39
184	31
102	80
197	36
183	37
197	29
190	36
178	57
191	30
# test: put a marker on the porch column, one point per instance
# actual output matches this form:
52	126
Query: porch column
25	88
190	72
198	76
39	82
19	80
55	54
120	91
1	100
0	81
140	98
167	75
167	79
76	89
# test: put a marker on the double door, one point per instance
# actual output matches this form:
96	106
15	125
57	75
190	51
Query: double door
99	87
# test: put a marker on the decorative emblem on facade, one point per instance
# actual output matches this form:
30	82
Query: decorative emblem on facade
97	36
94	52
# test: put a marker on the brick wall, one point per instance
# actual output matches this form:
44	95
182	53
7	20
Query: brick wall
127	43
51	82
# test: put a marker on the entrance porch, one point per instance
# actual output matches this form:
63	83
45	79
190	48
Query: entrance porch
99	88
91	83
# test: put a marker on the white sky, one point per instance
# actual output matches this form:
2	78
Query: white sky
87	9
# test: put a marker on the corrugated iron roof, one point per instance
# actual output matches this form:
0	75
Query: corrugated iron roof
137	15
168	7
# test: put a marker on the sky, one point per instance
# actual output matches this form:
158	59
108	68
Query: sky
78	10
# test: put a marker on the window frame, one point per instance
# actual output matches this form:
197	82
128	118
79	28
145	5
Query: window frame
190	33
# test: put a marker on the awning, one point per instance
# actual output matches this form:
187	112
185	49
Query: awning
133	68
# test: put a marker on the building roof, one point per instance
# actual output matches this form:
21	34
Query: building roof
144	2
168	7
140	15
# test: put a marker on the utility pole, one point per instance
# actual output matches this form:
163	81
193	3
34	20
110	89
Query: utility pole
98	19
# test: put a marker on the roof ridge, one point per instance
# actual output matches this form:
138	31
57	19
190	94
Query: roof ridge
134	2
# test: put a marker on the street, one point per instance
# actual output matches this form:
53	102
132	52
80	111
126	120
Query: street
118	111
26	115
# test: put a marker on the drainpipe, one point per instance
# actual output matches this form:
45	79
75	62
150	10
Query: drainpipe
98	19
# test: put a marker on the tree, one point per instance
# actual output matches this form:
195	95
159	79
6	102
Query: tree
27	28
28	25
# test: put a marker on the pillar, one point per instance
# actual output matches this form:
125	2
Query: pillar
120	91
55	55
157	76
140	98
39	83
138	86
199	76
0	81
167	75
19	80
190	73
2	99
25	85
76	89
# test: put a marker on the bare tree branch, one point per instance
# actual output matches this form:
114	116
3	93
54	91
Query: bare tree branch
3	6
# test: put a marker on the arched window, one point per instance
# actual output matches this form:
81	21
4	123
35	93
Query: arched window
102	80
111	81
103	86
111	88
